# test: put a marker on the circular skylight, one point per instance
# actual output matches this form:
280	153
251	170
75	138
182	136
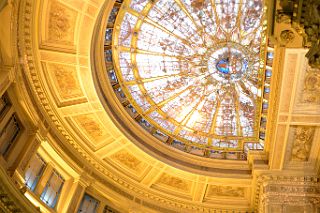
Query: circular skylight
193	70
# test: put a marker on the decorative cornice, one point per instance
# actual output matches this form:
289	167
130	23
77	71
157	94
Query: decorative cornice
291	185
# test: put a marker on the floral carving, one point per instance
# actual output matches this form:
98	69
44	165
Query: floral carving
287	191
228	191
311	90
127	159
67	81
303	137
174	182
92	127
61	23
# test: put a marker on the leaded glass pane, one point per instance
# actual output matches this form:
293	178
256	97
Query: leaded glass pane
9	134
88	204
195	71
52	190
34	171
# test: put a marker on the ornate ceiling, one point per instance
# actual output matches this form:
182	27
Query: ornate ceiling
192	74
61	56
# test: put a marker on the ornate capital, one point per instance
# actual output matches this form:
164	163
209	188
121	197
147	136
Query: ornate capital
287	192
286	36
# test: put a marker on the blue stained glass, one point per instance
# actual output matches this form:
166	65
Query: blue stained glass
270	55
264	105
34	172
268	73
88	204
52	190
223	65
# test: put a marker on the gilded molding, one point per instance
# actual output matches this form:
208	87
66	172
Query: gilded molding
285	188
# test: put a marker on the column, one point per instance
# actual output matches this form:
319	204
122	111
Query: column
74	196
44	179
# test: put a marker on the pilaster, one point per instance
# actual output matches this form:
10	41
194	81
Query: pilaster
74	196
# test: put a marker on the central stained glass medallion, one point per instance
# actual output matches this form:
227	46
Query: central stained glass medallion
194	70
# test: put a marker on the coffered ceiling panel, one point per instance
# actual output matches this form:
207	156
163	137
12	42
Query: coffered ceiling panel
64	84
60	24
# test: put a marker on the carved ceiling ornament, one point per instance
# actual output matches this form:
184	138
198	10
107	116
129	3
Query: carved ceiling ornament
228	191
284	191
129	186
174	182
61	23
67	81
304	17
127	159
311	90
303	137
286	36
92	126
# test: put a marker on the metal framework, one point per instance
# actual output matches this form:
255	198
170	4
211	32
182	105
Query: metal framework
193	73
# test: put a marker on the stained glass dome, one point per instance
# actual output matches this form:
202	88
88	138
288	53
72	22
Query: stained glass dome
192	71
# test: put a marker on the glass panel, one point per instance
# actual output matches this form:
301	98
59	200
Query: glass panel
9	134
34	171
194	71
52	190
88	204
4	103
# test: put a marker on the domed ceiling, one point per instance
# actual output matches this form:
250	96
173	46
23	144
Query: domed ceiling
192	73
158	103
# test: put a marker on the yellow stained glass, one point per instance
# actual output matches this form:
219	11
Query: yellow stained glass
194	70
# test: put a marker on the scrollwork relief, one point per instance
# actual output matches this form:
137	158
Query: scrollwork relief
284	191
127	159
303	137
228	191
310	21
311	89
67	81
286	36
92	127
174	182
61	23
